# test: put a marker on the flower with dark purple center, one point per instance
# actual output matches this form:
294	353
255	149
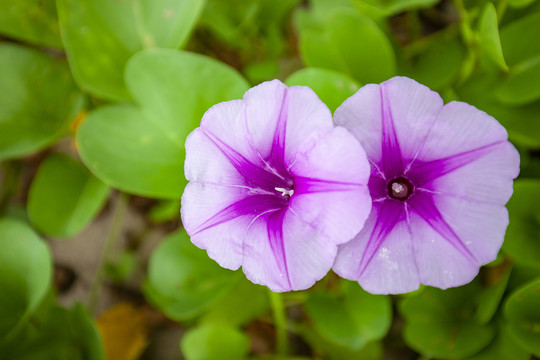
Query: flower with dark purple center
274	186
440	177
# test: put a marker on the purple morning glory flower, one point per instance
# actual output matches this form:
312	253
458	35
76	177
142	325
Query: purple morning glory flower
274	186
440	177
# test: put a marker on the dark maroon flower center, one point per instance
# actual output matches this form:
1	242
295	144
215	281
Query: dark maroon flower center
400	188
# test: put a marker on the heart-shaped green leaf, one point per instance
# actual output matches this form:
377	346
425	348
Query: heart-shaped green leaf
34	21
352	320
332	87
349	42
64	196
38	98
140	148
215	342
442	323
523	57
25	273
101	35
523	313
183	281
523	234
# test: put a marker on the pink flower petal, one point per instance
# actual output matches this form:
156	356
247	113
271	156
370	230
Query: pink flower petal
295	114
386	269
330	186
460	128
439	262
413	108
200	202
302	257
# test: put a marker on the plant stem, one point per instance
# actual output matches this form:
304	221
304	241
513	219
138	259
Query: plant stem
110	245
280	322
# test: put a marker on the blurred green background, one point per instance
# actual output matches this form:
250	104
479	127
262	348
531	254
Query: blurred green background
96	100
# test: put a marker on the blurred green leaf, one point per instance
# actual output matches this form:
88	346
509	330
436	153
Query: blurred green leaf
34	21
56	333
520	3
332	87
522	54
165	210
522	129
245	302
391	7
523	234
488	32
491	295
101	35
351	43
248	26
438	64
183	281
517	47
333	351
353	320
25	274
523	314
122	267
64	196
503	347
38	100
442	323
522	85
214	342
140	149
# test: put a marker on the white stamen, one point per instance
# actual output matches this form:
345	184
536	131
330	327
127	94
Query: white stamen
398	188
285	191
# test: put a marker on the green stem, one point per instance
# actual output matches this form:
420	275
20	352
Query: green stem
110	245
465	24
280	322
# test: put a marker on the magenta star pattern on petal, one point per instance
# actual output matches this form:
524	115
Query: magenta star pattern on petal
274	186
440	177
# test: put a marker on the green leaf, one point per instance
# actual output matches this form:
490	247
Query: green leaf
165	210
520	3
56	333
214	342
38	99
34	21
64	196
522	242
140	148
122	267
503	347
353	320
25	274
351	43
490	297
523	314
518	39
522	85
371	351
101	35
442	323
522	54
479	91
438	64
183	281
245	302
488	32
391	7
332	87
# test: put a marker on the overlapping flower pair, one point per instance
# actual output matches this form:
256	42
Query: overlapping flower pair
401	190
